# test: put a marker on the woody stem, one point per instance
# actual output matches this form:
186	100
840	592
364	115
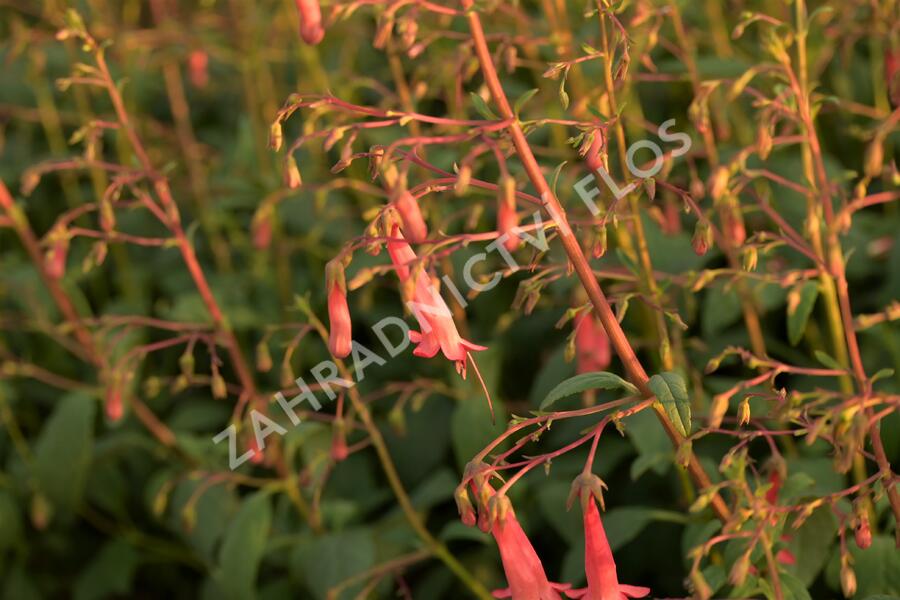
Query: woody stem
619	341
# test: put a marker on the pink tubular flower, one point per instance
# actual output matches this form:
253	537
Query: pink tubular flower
310	21
524	570
339	340
414	227
439	332
599	565
198	61
591	344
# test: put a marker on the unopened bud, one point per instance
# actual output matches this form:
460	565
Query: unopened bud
702	238
744	412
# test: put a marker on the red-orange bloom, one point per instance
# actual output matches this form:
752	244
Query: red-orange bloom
339	340
310	21
592	348
524	571
599	565
439	332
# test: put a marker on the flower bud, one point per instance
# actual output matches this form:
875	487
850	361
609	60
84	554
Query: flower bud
739	569
874	160
339	338
291	173
599	248
219	389
310	21
339	450
261	226
464	506
507	217
594	155
463	178
113	404
198	60
55	258
414	228
848	577
863	533
702	238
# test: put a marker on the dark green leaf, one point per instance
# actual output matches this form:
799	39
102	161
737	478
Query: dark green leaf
587	381
671	391
243	546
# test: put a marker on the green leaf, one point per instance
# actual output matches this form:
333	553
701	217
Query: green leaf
793	589
63	452
524	98
671	391
826	360
587	381
799	316
326	561
109	573
243	547
482	107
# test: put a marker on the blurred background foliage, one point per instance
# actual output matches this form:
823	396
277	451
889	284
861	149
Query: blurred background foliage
91	508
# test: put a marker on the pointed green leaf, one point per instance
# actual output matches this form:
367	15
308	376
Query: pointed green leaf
63	452
482	107
587	381
243	547
829	362
671	391
520	102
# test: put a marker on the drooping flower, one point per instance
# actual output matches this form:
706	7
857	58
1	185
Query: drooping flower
340	327
599	565
311	29
524	570
592	348
438	331
414	227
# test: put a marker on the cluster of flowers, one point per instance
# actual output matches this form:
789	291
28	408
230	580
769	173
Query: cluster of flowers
524	571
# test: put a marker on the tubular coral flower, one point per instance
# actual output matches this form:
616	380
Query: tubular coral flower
439	332
524	570
339	335
414	227
310	21
599	565
591	344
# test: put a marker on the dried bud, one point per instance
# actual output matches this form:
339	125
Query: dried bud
874	160
600	242
584	487
219	389
863	533
750	258
463	178
276	136
744	412
702	238
414	227
718	183
263	357
310	21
